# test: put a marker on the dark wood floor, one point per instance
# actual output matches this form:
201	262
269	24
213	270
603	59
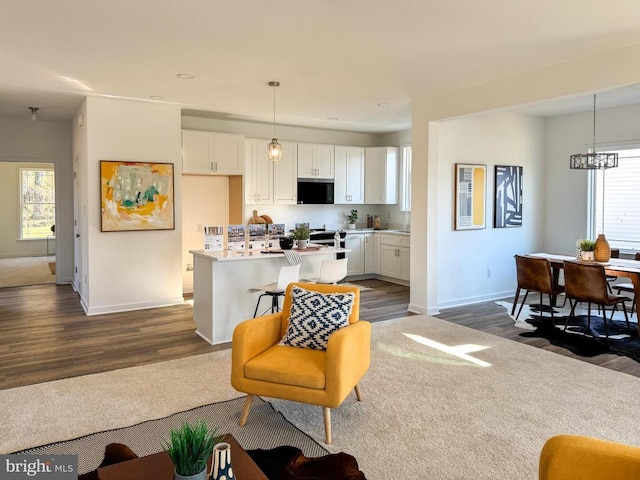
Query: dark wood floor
45	335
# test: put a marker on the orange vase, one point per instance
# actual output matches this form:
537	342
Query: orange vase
602	251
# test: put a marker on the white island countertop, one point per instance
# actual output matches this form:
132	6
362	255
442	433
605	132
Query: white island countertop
235	255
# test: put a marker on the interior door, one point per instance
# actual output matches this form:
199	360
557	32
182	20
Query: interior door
77	216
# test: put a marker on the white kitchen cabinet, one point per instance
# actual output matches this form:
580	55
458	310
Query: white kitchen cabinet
258	177
285	175
381	175
355	242
315	160
369	253
349	175
212	153
395	256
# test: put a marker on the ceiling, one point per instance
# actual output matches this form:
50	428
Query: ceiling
343	64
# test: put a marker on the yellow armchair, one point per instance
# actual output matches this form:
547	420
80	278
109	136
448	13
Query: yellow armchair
574	457
259	366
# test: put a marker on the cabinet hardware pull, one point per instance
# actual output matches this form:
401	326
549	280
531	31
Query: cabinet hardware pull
212	167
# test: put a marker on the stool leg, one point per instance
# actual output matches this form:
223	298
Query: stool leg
258	305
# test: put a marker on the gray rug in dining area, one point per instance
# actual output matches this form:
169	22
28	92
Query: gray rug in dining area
265	429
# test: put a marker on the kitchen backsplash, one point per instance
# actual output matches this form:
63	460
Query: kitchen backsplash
332	217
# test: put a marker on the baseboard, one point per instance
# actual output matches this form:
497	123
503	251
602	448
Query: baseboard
458	302
134	306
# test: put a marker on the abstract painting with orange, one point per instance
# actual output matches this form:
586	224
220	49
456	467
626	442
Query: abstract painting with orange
136	196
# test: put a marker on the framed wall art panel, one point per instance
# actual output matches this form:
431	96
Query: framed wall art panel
508	198
136	196
470	196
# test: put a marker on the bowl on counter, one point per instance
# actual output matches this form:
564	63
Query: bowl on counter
286	243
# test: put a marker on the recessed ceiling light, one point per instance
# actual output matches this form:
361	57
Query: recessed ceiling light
333	119
185	76
383	104
156	97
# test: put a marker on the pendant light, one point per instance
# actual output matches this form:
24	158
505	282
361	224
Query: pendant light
593	160
274	148
34	113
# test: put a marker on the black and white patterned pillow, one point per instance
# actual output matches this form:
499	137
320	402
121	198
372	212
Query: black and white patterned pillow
315	316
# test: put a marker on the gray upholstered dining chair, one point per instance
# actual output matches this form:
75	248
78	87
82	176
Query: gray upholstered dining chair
587	282
534	275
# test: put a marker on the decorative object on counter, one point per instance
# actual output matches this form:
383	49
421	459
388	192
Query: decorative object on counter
236	237
369	220
213	238
593	160
301	235
352	218
377	224
286	243
585	249
508	196
602	250
255	219
336	239
275	231
274	149
257	236
221	468
189	447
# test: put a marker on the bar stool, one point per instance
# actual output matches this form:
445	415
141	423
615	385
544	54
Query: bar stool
288	274
332	271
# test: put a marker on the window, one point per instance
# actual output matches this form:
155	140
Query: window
37	202
616	202
405	179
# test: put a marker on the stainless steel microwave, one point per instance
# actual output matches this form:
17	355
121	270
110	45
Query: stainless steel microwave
314	191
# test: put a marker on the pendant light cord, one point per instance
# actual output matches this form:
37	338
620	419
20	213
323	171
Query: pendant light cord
594	123
274	110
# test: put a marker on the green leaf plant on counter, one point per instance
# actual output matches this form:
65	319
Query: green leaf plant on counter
301	233
587	245
353	216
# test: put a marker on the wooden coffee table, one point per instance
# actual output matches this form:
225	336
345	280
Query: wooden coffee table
159	467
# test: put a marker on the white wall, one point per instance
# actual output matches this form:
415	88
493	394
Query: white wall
498	138
131	270
27	141
599	72
566	210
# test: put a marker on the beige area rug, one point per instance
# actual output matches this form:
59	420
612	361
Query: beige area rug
429	410
21	271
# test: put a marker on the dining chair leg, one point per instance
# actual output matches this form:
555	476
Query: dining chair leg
589	314
515	301
626	318
526	294
553	320
571	314
604	321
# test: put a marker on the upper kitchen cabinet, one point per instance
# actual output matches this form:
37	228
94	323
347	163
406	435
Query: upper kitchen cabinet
285	175
258	173
212	153
381	175
349	182
315	160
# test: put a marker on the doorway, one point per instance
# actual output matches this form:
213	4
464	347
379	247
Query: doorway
27	236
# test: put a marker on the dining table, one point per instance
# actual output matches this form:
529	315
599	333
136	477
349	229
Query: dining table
619	267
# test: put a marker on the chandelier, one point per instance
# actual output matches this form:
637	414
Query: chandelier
593	160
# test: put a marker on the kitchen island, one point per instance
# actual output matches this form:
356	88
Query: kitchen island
223	284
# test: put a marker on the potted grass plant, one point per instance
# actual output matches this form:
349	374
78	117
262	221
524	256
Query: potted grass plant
587	248
189	448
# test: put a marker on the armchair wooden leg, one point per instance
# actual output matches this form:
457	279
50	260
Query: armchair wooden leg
358	393
327	425
246	409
